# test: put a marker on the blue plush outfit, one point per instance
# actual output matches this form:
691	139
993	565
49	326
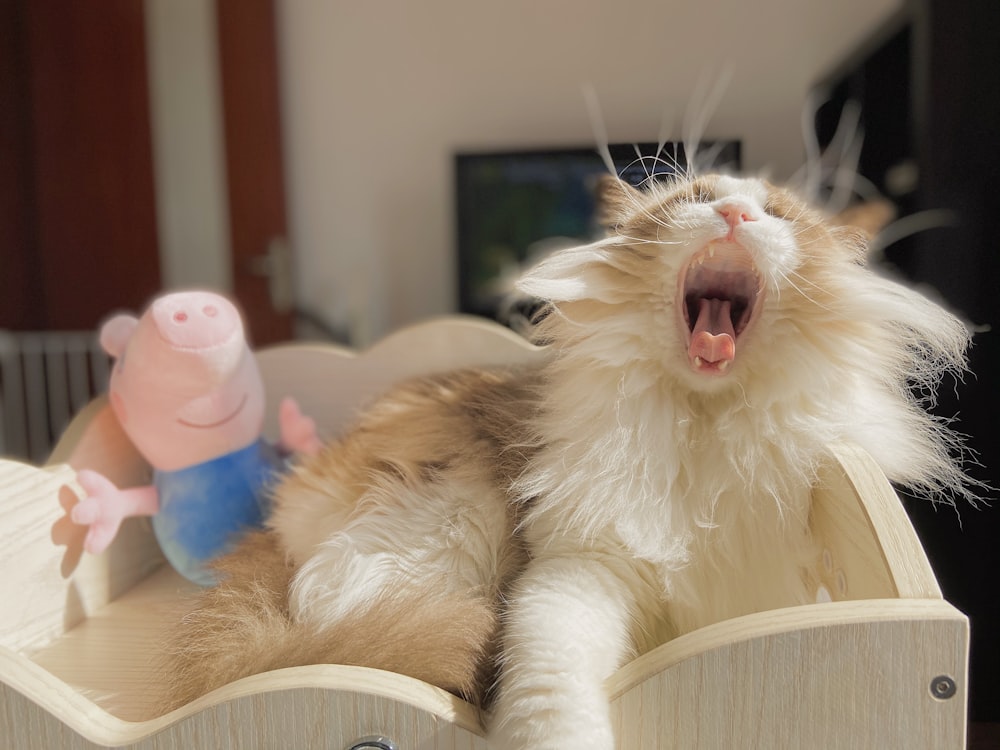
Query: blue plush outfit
204	508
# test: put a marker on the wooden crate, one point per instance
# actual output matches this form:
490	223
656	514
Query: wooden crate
879	662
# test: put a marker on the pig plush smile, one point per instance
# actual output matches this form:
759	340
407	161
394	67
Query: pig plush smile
217	423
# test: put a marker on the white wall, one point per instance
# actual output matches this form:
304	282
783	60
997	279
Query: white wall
192	211
379	94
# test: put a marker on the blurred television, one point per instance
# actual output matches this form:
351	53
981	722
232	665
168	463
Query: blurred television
513	207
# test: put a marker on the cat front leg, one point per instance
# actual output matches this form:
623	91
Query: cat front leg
568	630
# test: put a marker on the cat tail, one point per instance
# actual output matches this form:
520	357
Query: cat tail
242	627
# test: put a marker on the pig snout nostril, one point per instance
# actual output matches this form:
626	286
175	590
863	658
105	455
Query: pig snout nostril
180	316
211	311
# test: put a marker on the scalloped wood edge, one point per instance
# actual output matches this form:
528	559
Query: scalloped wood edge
412	703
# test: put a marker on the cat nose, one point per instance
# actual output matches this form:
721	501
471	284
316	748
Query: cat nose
735	212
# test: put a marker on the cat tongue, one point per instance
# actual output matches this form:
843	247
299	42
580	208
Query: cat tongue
713	338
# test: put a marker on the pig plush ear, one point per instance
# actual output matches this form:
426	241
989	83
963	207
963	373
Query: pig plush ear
116	332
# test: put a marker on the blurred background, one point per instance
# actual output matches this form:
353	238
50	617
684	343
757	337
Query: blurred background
301	155
177	128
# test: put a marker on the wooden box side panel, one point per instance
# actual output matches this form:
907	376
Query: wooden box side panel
303	718
48	581
332	383
868	548
307	707
48	584
862	678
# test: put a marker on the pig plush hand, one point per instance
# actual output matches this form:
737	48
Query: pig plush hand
188	393
298	432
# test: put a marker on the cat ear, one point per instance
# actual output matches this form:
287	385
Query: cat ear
616	200
870	217
857	226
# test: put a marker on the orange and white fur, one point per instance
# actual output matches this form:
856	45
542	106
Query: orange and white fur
705	355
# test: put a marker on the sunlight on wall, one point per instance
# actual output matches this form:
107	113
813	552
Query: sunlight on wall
188	152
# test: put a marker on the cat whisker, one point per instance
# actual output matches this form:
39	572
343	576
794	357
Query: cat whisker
786	276
705	101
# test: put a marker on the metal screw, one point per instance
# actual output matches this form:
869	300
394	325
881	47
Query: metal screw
943	687
375	742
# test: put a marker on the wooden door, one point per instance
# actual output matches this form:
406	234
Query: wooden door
248	60
77	203
20	278
82	208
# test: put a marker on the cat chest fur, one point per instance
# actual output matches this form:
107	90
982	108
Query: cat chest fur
695	492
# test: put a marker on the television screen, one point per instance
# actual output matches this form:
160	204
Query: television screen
516	206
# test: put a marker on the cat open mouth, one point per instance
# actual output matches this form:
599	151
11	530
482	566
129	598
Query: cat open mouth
719	292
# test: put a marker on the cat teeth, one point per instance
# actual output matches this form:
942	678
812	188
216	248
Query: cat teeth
724	256
720	366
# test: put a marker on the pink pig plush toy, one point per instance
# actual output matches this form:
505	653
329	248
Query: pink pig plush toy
188	393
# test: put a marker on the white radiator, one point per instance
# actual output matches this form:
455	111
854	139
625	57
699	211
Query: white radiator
45	378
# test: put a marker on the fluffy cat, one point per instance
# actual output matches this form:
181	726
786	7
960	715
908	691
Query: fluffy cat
706	354
642	484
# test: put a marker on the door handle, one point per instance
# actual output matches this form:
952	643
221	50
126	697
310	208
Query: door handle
276	266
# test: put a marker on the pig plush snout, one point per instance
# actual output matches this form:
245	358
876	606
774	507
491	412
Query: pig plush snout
196	320
197	339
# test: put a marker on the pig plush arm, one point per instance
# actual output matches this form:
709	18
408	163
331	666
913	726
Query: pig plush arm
105	507
298	432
